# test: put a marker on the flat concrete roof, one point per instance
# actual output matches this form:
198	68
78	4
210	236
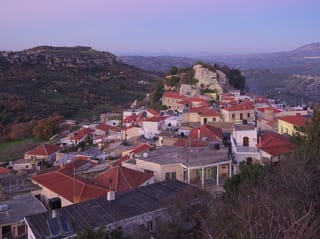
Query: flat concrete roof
20	205
244	127
191	157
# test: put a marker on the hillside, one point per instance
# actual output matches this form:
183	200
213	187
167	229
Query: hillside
71	81
158	63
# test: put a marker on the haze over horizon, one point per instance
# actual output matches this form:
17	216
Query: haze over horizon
145	27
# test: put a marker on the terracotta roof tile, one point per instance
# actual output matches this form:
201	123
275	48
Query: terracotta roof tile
4	170
44	150
103	127
153	112
121	179
171	94
275	144
206	131
64	185
295	120
80	134
242	106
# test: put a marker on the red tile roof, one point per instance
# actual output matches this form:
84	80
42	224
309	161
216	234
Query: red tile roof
80	134
64	185
153	112
295	120
130	118
275	144
4	170
155	119
103	127
242	106
171	94
210	113
141	148
75	163
270	108
261	100
44	150
119	161
121	179
206	131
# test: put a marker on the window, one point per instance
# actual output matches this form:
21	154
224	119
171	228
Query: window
233	116
249	160
213	119
245	141
149	226
241	116
171	176
248	115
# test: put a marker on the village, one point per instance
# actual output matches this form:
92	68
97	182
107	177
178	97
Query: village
198	141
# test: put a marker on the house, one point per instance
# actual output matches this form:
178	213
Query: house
202	115
79	136
203	167
172	122
151	126
131	132
94	154
244	145
206	133
65	184
15	194
137	149
121	179
172	99
130	120
274	147
42	153
133	211
102	129
288	124
238	113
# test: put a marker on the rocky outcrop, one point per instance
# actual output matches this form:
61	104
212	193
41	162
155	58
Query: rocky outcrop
212	79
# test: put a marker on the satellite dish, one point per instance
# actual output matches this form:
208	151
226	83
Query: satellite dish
145	155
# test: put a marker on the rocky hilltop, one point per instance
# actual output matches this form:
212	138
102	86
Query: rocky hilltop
211	78
72	81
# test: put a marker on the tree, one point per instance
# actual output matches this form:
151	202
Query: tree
46	128
307	138
173	70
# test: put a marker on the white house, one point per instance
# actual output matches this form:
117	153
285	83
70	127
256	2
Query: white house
244	144
151	126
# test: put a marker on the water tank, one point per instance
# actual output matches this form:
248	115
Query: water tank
55	203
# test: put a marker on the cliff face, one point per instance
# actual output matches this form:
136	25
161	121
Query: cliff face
211	79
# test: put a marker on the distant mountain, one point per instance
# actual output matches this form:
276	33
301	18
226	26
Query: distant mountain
72	81
312	49
158	63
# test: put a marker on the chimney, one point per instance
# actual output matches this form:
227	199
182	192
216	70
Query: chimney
111	196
